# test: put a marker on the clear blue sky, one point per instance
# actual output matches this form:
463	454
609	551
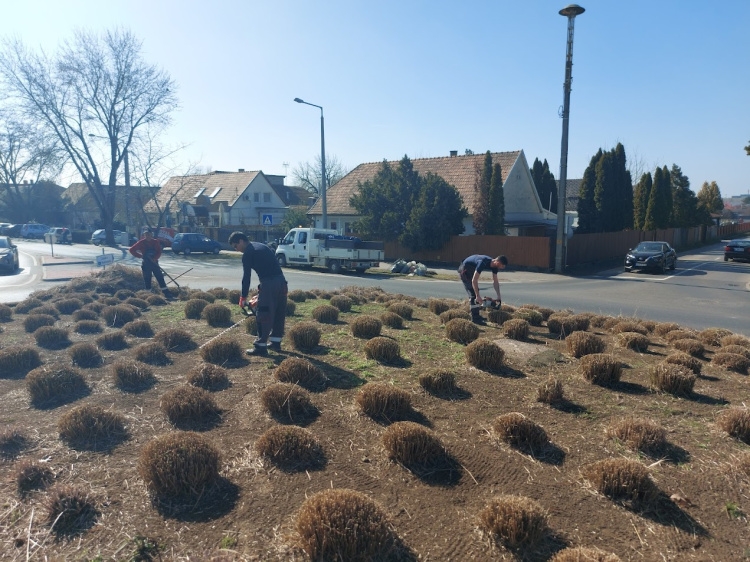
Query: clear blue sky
670	79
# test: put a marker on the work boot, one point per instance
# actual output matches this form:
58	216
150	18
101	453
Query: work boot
477	319
275	346
257	351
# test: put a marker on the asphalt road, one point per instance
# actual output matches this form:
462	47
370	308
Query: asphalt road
703	291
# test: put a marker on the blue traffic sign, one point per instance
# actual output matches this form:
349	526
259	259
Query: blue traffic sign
267	220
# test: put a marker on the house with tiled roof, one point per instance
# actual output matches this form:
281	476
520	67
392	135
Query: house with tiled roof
524	213
83	212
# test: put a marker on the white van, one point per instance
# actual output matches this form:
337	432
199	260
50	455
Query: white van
33	230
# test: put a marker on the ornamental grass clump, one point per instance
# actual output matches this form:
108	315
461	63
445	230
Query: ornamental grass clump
251	325
175	340
222	351
680	358
561	324
156	300
87	327
485	355
516	329
584	554
17	361
136	302
414	446
112	341
383	350
392	320
342	524
342	302
203	295
152	353
305	336
179	464
600	368
514	521
288	403
297	295
300	371
217	315
384	402
70	510
744	351
689	346
520	432
35	321
402	309
85	314
622	480
736	423
732	362
119	315
50	337
550	391
208	376
85	354
675	335
326	314
47	309
437	306
452	313
124	294
499	317
194	308
663	328
91	427
735	339
31	476
6	313
712	336
291	448
291	307
187	404
439	382
139	329
671	378
629	326
584	343
633	340
55	384
532	316
24	306
461	331
639	434
132	376
366	327
13	440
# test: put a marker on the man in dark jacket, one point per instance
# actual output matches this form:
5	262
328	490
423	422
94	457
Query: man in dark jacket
148	250
469	272
272	292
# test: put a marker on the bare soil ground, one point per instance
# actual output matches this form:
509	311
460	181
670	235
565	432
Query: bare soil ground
701	513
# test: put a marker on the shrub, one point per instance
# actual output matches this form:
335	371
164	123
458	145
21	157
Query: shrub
291	448
300	371
152	353
138	303
639	434
344	525
680	358
461	331
342	302
217	315
109	301
633	340
734	339
87	327
85	314
32	476
208	376
600	368
204	295
13	440
561	324
54	384
291	307
383	350
220	293
179	464
297	295
251	325
712	336
6	313
731	361
50	337
533	317
305	336
194	308
584	554
70	510
17	361
584	343
131	375
156	300
366	327
437	306
675	335
233	296
119	315
174	339
30	303
139	329
68	306
736	422
499	317
744	351
414	446
621	479
85	354
402	309
326	314
516	329
519	431
96	307
189	404
629	326
689	346
287	402
384	402
485	355
112	341
438	382
124	294
452	313
671	378
91	427
35	321
47	309
392	320
222	351
550	391
514	521
663	328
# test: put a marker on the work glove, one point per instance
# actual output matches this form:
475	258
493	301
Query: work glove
253	301
243	302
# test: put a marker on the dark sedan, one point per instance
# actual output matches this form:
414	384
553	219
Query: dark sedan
8	255
189	242
658	256
737	250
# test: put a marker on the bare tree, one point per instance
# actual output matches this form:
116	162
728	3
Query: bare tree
95	87
308	174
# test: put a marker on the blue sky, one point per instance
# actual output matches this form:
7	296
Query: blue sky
667	78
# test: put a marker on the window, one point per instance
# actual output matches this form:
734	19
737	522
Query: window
215	192
199	192
256	197
302	238
266	197
333	226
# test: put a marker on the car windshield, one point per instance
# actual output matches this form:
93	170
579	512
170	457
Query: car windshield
740	243
648	247
4	243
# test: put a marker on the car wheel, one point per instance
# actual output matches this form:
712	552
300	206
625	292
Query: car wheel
334	266
281	258
186	251
216	251
726	258
674	265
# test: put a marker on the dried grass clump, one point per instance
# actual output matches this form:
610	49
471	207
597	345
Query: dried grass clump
124	294
17	361
671	378
650	325
86	355
584	343
326	314
287	402
639	434
222	351
689	346
305	336
87	327
179	464
517	430
217	315
156	300
584	554
139	329
402	309
437	306
300	371
46	309
70	510
220	293
514	521
561	324
452	313
131	376
366	327
35	321
233	296
152	353
736	422
663	328
343	524
188	404
203	295
621	479
24	306
297	295
735	339
54	384
138	303
550	391
485	355
600	368
461	331
251	325
91	427
675	335
6	313
119	315
96	307
392	320
712	336
629	326
342	302
208	376
680	358
516	329
31	476
499	317
633	340
109	301
175	339
112	341
414	446
532	316
744	351
85	314
384	402
439	382
68	306
732	362
291	448
194	308
13	440
291	307
50	337
383	350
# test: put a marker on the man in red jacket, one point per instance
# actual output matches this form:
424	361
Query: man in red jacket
148	250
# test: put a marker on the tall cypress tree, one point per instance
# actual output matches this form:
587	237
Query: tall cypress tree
496	222
545	184
659	202
624	190
481	211
604	194
587	214
640	201
684	201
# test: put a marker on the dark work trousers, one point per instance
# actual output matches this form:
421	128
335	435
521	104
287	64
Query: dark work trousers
150	268
271	310
474	306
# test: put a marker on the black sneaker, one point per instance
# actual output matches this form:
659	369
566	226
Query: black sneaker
257	351
275	346
479	321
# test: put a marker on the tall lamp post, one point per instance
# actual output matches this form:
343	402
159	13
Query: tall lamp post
322	161
570	12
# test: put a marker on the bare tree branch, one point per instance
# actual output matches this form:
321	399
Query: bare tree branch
308	174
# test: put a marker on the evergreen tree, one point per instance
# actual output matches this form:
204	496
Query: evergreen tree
545	184
587	214
437	215
684	201
496	222
709	201
605	197
482	195
624	190
660	201
640	201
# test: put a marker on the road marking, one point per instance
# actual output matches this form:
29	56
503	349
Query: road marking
675	274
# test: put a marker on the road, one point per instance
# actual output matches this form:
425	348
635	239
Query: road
703	291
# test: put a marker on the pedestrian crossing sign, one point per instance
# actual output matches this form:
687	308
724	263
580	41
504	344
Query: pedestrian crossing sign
267	220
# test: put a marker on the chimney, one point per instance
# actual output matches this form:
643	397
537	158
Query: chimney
241	170
454	153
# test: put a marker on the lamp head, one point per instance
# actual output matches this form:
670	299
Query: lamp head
571	10
299	100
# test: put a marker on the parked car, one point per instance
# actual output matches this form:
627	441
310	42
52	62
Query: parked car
62	235
99	237
189	242
651	255
8	255
14	230
33	230
737	250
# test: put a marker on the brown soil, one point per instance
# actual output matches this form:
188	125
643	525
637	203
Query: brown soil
701	513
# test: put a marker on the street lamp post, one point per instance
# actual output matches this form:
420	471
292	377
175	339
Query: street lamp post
322	162
570	12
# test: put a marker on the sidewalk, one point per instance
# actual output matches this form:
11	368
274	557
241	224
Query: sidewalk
64	269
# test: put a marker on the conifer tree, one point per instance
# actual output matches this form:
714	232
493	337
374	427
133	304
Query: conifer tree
660	201
604	193
623	189
587	213
482	195
546	186
684	201
640	201
709	201
496	222
438	214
